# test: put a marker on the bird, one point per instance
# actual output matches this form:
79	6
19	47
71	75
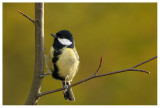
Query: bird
62	61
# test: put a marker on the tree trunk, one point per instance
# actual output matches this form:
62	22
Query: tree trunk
39	55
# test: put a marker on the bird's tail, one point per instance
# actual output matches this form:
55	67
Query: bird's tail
68	94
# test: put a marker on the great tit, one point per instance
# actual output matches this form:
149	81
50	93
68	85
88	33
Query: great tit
62	60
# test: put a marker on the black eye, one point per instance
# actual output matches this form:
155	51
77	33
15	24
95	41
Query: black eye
59	35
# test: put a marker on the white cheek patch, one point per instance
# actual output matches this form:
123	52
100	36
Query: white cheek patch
64	41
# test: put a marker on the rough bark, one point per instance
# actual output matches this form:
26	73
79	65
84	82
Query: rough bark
39	55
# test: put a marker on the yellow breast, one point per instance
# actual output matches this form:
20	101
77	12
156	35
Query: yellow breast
67	64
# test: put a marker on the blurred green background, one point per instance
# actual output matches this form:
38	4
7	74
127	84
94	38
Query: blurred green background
124	34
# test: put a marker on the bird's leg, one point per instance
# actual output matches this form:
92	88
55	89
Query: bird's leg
43	75
65	82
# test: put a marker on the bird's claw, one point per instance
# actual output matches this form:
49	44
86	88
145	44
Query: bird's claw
65	86
42	75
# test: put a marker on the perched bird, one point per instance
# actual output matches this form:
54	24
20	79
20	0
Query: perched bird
62	61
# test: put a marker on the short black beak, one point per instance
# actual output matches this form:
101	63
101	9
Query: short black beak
54	35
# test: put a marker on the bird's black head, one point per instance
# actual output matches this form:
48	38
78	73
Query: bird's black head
63	38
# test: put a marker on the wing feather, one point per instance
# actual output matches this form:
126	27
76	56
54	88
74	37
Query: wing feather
48	60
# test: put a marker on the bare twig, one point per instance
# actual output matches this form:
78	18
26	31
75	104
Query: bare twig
144	62
26	16
99	66
96	76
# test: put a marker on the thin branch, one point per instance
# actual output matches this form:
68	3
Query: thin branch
96	76
144	62
99	66
132	69
26	16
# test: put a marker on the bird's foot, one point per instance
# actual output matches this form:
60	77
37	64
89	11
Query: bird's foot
44	74
65	86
